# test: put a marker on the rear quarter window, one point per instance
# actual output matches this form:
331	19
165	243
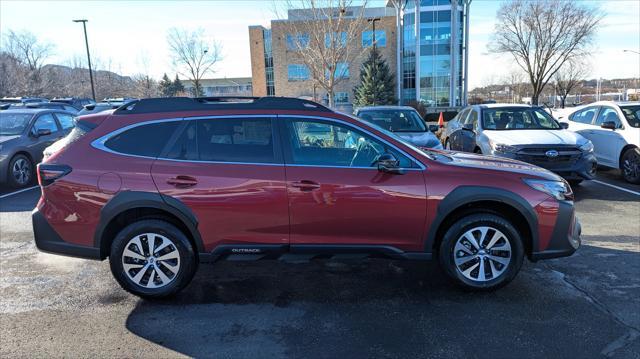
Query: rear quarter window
145	140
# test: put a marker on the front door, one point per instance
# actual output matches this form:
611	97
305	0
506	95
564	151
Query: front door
607	143
229	172
337	196
45	121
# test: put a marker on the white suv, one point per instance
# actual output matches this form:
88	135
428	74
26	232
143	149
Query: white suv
614	129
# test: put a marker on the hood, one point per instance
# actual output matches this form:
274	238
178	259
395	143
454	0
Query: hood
420	139
6	138
494	163
535	137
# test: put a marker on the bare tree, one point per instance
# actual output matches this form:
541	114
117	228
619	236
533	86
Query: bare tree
542	35
144	85
321	35
568	77
29	54
192	55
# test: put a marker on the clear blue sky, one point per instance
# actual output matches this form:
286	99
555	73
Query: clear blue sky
123	33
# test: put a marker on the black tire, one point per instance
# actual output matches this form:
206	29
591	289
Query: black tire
575	183
187	259
630	165
469	222
25	170
477	150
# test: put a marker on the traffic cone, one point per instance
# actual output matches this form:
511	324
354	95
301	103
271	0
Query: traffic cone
441	120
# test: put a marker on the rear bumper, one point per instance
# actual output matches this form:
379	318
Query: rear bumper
565	239
47	240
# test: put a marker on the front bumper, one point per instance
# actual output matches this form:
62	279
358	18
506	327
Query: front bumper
47	240
583	167
565	239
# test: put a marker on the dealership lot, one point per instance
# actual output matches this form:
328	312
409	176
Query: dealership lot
582	306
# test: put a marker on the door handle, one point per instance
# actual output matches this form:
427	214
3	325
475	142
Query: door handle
182	181
305	185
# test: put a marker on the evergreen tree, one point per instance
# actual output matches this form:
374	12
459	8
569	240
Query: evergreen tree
166	87
376	85
177	87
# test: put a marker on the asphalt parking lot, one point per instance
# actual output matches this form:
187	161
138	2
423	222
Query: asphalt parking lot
584	306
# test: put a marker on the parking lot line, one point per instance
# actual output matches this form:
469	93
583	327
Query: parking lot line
616	187
16	192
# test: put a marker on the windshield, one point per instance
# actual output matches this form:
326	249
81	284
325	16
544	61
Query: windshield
517	118
394	120
632	113
13	123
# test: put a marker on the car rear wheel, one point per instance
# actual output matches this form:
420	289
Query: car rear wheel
482	251
20	171
152	259
631	165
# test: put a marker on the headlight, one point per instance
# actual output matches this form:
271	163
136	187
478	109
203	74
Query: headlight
587	147
559	190
498	147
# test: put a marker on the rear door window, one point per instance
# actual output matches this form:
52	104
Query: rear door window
584	116
242	140
145	140
66	120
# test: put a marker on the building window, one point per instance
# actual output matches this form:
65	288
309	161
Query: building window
297	72
297	41
341	72
341	98
381	38
337	38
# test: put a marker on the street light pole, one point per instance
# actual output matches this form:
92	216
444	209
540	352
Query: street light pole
86	42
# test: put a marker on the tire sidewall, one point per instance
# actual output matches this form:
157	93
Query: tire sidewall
12	181
188	262
446	253
628	154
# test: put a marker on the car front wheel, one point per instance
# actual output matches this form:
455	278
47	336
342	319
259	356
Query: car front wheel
20	171
631	165
152	259
482	251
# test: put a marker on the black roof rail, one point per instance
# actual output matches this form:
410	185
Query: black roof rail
176	104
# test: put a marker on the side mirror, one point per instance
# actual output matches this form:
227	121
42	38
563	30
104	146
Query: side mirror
610	125
434	128
388	163
564	125
43	132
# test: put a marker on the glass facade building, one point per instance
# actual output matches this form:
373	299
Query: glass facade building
434	39
268	62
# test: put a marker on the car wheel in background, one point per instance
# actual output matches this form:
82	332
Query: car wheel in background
482	251
477	150
152	259
20	171
631	165
447	145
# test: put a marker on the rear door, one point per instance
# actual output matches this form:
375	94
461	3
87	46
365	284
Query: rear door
337	196
229	172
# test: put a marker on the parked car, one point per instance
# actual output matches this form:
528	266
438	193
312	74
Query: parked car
77	102
50	105
24	134
163	184
98	107
614	129
524	133
404	121
22	99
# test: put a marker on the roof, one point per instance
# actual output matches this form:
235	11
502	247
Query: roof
619	103
497	105
30	110
387	107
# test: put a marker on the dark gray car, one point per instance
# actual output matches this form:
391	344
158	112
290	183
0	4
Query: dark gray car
24	134
403	121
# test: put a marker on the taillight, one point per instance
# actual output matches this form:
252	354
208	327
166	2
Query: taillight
49	173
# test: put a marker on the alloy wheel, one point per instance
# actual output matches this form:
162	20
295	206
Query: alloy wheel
151	260
631	167
482	254
21	171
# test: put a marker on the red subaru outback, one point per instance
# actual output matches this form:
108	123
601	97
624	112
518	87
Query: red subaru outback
160	185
